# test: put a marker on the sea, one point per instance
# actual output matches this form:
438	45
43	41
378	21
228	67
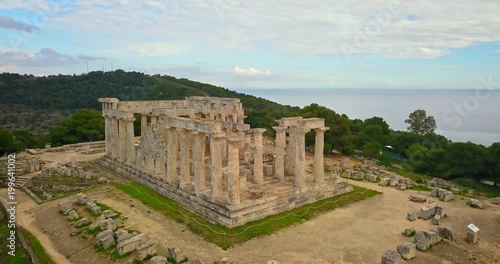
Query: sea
461	115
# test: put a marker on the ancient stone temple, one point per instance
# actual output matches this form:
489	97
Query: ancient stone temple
200	153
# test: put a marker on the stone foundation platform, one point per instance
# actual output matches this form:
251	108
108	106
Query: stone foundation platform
273	196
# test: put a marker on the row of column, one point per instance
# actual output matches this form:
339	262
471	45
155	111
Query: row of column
290	159
119	138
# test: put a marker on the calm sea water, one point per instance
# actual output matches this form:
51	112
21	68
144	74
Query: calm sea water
461	115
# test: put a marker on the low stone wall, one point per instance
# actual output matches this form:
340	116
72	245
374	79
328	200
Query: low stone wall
229	215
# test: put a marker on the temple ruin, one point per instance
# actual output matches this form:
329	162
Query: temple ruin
200	153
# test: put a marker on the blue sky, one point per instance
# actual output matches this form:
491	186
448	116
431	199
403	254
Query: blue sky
260	44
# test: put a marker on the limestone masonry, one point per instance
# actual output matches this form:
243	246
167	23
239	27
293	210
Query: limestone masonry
200	153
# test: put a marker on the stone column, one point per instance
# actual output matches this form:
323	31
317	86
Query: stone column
233	176
130	141
107	135
122	143
114	138
185	159
172	155
319	145
144	124
199	161
247	146
300	157
258	173
216	165
290	153
279	162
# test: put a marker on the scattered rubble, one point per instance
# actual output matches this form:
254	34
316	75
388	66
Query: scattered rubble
407	250
391	257
418	198
474	203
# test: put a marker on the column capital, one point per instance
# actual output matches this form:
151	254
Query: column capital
321	129
299	130
233	140
279	128
217	136
258	130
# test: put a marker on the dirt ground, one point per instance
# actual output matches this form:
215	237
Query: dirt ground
359	233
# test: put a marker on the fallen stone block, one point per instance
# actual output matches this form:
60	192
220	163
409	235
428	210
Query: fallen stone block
81	199
158	260
421	241
72	215
131	244
194	261
107	242
371	177
145	250
108	224
409	232
109	214
495	200
427	211
436	220
411	217
101	235
474	203
384	181
441	210
402	187
445	233
407	250
418	198
445	195
434	192
433	236
176	254
393	182
82	222
391	257
65	207
123	234
224	260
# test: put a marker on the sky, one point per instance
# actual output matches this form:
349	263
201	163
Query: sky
242	44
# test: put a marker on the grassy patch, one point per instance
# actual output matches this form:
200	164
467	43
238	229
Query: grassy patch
37	247
225	237
486	190
115	256
420	188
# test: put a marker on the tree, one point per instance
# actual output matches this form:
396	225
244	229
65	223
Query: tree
494	162
420	123
8	143
371	149
83	126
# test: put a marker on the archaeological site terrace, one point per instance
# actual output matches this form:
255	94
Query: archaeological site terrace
200	153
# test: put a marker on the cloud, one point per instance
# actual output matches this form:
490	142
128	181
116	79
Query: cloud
388	82
155	49
45	57
251	71
332	80
9	23
90	58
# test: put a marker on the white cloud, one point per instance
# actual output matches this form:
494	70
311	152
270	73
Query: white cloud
251	71
154	49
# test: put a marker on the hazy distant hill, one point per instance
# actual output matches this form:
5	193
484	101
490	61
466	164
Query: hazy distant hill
37	103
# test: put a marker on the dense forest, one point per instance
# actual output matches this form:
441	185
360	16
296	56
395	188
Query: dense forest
419	147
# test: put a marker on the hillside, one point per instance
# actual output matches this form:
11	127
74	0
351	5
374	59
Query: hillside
38	103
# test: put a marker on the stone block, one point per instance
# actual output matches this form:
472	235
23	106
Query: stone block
472	237
371	177
495	200
109	214
407	250
82	222
65	206
72	215
418	198
176	254
384	181
158	260
224	260
402	187
102	235
391	257
81	199
427	211
445	233
445	195
357	175
107	242
123	234
194	261
441	210
131	244
409	232
108	224
436	220
145	250
474	203
433	236
421	241
393	182
411	217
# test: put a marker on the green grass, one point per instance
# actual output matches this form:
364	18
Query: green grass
471	184
420	188
37	247
21	255
225	237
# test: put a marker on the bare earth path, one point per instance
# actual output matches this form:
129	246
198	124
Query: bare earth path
359	233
